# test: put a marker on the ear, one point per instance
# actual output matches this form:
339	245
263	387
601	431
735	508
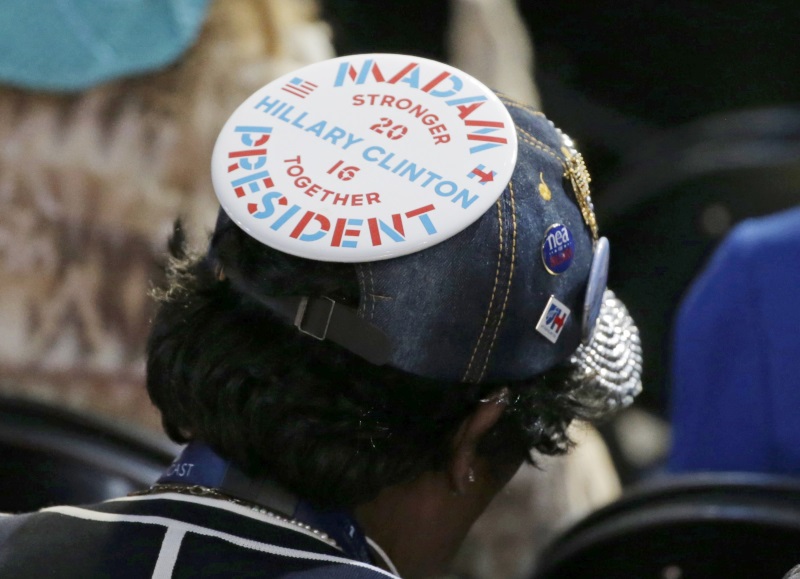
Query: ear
465	444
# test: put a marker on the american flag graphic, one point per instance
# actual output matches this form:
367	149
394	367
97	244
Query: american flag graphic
299	87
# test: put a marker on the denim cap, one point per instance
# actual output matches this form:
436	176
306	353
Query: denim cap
493	302
72	45
466	309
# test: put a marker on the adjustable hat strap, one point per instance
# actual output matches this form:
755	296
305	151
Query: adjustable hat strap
324	319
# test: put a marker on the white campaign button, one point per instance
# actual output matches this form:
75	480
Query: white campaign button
364	157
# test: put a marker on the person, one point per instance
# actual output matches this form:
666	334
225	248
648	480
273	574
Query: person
746	293
403	299
115	108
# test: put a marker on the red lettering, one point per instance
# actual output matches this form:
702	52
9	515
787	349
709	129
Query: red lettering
408	68
428	87
466	110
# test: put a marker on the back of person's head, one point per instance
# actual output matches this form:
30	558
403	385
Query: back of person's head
341	371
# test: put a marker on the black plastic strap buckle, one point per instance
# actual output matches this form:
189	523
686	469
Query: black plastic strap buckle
313	316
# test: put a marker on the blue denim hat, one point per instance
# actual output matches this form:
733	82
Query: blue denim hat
466	309
70	45
517	292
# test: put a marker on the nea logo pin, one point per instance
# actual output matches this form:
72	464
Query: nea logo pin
558	249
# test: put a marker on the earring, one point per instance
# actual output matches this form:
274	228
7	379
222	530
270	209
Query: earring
471	475
500	398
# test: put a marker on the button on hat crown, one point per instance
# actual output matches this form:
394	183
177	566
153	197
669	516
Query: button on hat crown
468	241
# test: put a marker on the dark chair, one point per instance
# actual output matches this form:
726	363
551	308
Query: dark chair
672	201
53	456
731	526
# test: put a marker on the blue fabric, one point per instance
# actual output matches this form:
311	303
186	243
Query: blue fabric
197	464
125	539
71	45
200	465
736	361
467	308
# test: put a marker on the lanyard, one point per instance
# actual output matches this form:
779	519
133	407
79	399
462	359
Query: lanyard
201	466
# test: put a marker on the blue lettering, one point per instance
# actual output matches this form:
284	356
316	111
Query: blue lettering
465	198
385	160
317	128
412	167
432	177
285	217
412	78
393	234
266	104
284	115
458	84
345	70
334	135
445	188
296	122
269	207
369	150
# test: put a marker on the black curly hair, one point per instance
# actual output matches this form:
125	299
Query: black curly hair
310	415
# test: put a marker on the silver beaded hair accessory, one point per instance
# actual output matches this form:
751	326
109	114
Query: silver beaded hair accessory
609	361
610	364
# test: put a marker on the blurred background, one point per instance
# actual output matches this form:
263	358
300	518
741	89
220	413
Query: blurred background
687	114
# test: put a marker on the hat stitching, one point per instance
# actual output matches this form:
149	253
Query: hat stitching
510	278
531	140
494	289
507	100
495	314
574	169
371	291
362	288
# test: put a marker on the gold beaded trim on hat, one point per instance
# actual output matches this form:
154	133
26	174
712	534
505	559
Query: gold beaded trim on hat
579	177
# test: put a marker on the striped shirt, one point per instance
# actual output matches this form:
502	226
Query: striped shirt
167	536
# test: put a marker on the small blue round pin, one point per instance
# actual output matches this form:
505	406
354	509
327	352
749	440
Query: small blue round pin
558	249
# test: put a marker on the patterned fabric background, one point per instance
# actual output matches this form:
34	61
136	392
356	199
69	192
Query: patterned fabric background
90	185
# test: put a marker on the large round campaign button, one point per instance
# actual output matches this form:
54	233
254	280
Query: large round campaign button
364	157
558	249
